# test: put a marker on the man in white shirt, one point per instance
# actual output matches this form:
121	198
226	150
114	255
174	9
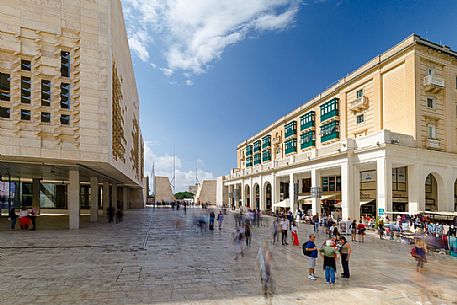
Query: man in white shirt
284	226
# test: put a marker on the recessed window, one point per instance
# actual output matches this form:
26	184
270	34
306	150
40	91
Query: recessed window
430	103
5	112
456	82
4	87
25	115
65	119
360	93
45	92
430	71
45	117
65	96
431	131
361	118
65	63
26	65
25	89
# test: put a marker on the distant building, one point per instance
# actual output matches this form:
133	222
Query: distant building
193	189
163	190
206	192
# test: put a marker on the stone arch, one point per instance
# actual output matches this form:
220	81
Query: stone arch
247	195
434	191
268	196
256	192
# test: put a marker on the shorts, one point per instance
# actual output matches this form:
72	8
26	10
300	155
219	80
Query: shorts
311	262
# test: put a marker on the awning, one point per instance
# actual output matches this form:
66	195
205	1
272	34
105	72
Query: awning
366	201
282	204
438	213
335	196
304	197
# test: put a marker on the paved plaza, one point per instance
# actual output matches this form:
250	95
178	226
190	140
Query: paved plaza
158	256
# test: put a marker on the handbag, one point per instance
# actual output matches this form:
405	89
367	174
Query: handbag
413	252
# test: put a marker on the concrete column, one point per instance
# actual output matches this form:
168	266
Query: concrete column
347	190
125	198
384	185
316	182
114	195
105	197
262	196
36	195
446	195
416	188
73	198
355	210
93	199
291	192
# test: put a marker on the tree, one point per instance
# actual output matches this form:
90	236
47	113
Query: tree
184	195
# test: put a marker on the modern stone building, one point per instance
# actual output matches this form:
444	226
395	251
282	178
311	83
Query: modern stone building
381	140
69	109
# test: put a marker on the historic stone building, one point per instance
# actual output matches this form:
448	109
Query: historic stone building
69	108
383	139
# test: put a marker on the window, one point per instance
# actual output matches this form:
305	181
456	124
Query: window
307	120
45	92
25	89
431	130
5	112
430	71
25	115
456	82
430	103
45	117
65	119
257	145
65	63
359	93
26	65
361	118
65	96
4	87
331	184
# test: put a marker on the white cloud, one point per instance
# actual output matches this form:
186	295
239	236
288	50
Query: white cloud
167	72
189	82
195	33
163	166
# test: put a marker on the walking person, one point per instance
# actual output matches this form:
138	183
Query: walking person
381	229
220	218
329	253
264	261
346	251
212	216
361	231
237	245
353	228
24	219
316	223
13	218
295	241
275	231
111	211
310	250
33	217
284	227
247	233
419	252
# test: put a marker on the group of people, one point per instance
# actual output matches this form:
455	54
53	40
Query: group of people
27	218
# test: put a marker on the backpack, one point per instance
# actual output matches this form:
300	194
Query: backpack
306	253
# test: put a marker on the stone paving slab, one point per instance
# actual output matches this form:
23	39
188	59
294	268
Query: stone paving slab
146	260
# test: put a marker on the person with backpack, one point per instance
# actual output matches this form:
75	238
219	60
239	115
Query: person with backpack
310	250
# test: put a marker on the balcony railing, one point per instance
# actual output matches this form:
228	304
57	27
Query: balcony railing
291	132
308	125
433	144
256	148
433	83
266	158
332	114
266	144
331	136
308	144
291	149
359	103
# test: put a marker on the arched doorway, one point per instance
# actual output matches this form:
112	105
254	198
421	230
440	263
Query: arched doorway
247	196
431	193
257	196
268	197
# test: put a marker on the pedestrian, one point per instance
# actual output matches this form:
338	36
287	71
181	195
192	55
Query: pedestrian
284	226
275	231
111	211
220	218
316	223
336	234
295	235
264	261
237	239
310	250
381	229
24	219
12	219
33	218
361	231
346	251
419	252
212	216
119	215
329	253
247	233
353	228
331	229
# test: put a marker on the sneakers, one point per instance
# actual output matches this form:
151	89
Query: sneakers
316	276
311	277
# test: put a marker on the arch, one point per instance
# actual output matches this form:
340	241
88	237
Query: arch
256	190
247	195
268	196
434	191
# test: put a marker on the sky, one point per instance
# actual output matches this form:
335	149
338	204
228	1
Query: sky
212	73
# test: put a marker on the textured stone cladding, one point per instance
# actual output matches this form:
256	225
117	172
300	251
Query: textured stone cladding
118	145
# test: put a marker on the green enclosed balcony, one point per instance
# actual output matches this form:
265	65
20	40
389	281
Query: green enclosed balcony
307	140
290	129
307	121
291	146
330	131
257	145
249	162
266	142
266	155
257	159
334	135
249	150
330	109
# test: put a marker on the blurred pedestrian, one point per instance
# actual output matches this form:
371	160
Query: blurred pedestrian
420	253
111	210
247	233
353	228
264	262
284	226
212	216
237	242
275	231
220	218
12	219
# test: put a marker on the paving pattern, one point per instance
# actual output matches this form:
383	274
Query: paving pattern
158	256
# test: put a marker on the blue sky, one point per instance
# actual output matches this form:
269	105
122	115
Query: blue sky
211	73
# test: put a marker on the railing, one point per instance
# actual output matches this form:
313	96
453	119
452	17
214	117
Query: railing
433	81
291	132
308	144
359	103
291	150
333	135
433	144
266	144
305	126
329	115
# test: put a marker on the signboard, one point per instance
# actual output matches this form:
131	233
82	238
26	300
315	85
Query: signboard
368	176
316	192
380	212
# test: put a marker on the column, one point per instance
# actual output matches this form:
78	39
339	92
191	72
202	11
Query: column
243	194
291	192
93	199
274	192
416	188
355	209
446	195
105	197
262	196
125	198
73	199
347	190
316	182
384	185
114	195
36	195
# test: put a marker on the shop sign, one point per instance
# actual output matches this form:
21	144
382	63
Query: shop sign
381	212
368	176
368	194
400	200
399	194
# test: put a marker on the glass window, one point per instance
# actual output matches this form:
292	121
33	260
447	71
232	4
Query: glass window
53	196
84	197
25	114
65	63
324	184
431	128
360	118
430	102
25	89
65	96
5	112
65	119
45	92
360	93
45	117
4	87
26	65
